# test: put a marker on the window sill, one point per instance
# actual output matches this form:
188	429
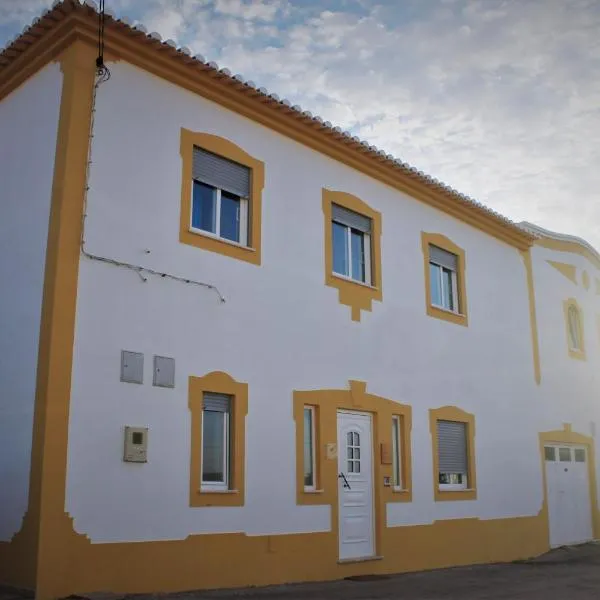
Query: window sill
216	238
577	354
442	495
309	491
208	491
350	280
447	310
446	315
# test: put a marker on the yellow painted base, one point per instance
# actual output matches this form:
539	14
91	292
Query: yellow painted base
79	567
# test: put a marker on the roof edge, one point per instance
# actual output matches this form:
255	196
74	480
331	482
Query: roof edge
163	58
563	242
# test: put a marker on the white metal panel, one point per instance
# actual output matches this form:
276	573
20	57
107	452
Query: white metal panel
355	485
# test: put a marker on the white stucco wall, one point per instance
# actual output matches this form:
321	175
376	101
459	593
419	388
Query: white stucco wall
280	330
28	126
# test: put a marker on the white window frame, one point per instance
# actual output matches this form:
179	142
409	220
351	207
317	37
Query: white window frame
242	217
366	251
578	333
455	487
313	487
217	485
397	453
442	284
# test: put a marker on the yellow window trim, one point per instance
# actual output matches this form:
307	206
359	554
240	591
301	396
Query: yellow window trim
577	354
441	241
354	294
453	413
326	404
226	149
220	383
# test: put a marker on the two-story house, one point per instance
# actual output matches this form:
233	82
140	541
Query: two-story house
239	346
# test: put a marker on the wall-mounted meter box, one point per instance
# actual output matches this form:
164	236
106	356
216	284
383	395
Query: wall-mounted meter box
136	444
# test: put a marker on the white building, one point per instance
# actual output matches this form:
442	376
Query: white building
258	338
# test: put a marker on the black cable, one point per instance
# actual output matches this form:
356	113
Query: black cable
100	59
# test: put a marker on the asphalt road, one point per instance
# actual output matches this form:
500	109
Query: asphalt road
564	574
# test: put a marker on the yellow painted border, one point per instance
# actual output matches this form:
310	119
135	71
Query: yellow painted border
452	413
357	296
220	383
328	402
226	149
565	269
535	343
441	241
35	555
572	247
567	436
577	354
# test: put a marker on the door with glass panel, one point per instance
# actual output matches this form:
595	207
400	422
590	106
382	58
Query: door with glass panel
355	485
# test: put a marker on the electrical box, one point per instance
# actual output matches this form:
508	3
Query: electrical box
164	372
136	444
132	367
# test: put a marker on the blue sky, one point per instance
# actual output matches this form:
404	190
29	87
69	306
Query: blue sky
498	98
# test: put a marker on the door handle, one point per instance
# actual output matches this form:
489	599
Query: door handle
346	484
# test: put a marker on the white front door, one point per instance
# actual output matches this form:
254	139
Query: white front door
569	511
355	485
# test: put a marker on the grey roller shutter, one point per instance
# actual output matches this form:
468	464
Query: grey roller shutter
351	219
452	447
221	173
443	258
216	402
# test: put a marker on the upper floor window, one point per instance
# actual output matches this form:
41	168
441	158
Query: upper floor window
574	326
574	329
351	238
443	268
221	197
445	284
221	190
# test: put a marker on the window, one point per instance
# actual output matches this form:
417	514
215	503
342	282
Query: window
564	454
310	474
445	287
352	250
453	450
579	455
215	441
452	455
221	197
353	451
396	454
550	453
351	238
220	193
218	406
442	272
574	327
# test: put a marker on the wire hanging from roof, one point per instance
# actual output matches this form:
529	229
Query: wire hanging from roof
100	59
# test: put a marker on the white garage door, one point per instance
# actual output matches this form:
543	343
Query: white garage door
569	508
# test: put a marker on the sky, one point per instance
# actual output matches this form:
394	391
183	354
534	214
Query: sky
499	99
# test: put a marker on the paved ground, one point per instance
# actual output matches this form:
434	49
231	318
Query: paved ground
564	574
